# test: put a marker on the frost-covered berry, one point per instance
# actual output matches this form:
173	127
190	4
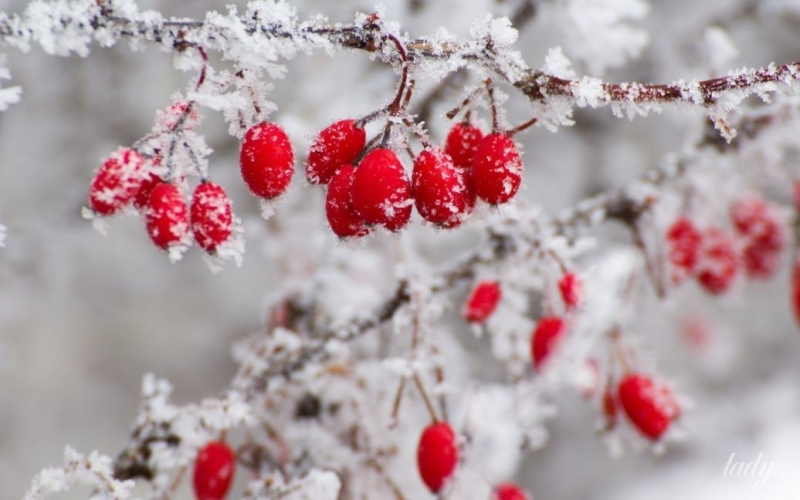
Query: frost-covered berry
167	216
442	193
337	145
509	491
683	248
149	182
461	143
339	205
571	288
650	406
764	237
719	262
266	160
496	169
211	216
437	455
116	182
381	190
482	302
214	468
547	336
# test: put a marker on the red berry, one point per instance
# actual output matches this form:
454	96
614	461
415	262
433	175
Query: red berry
335	146
571	288
764	237
211	216
496	169
167	216
509	491
719	262
461	144
547	336
442	193
149	183
381	190
650	406
437	455
683	247
482	301
267	160
116	182
339	205
213	471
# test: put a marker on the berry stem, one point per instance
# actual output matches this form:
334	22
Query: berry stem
492	104
523	126
465	104
425	398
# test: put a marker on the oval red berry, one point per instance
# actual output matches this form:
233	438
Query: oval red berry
719	262
167	216
650	406
683	248
381	190
116	182
571	288
496	169
442	193
461	143
339	211
509	491
547	336
482	302
266	160
214	468
437	455
211	216
337	145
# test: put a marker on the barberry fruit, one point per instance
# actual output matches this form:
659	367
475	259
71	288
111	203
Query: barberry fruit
337	145
266	160
211	216
482	301
719	262
496	169
214	468
461	143
437	455
149	182
442	194
571	288
650	406
339	205
764	237
116	182
547	336
167	216
509	491
683	248
381	190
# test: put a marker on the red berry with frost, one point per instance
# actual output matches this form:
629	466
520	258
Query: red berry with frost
437	455
461	143
650	406
496	169
763	236
482	301
547	336
116	182
381	190
214	468
571	288
339	205
683	248
509	491
149	182
211	216
441	192
266	160
719	262
337	145
167	216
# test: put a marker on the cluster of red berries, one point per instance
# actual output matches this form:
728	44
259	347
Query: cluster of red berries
437	458
127	178
214	468
714	257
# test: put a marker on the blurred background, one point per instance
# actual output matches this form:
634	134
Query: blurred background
83	316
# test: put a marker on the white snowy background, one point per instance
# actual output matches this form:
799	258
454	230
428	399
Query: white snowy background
83	316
